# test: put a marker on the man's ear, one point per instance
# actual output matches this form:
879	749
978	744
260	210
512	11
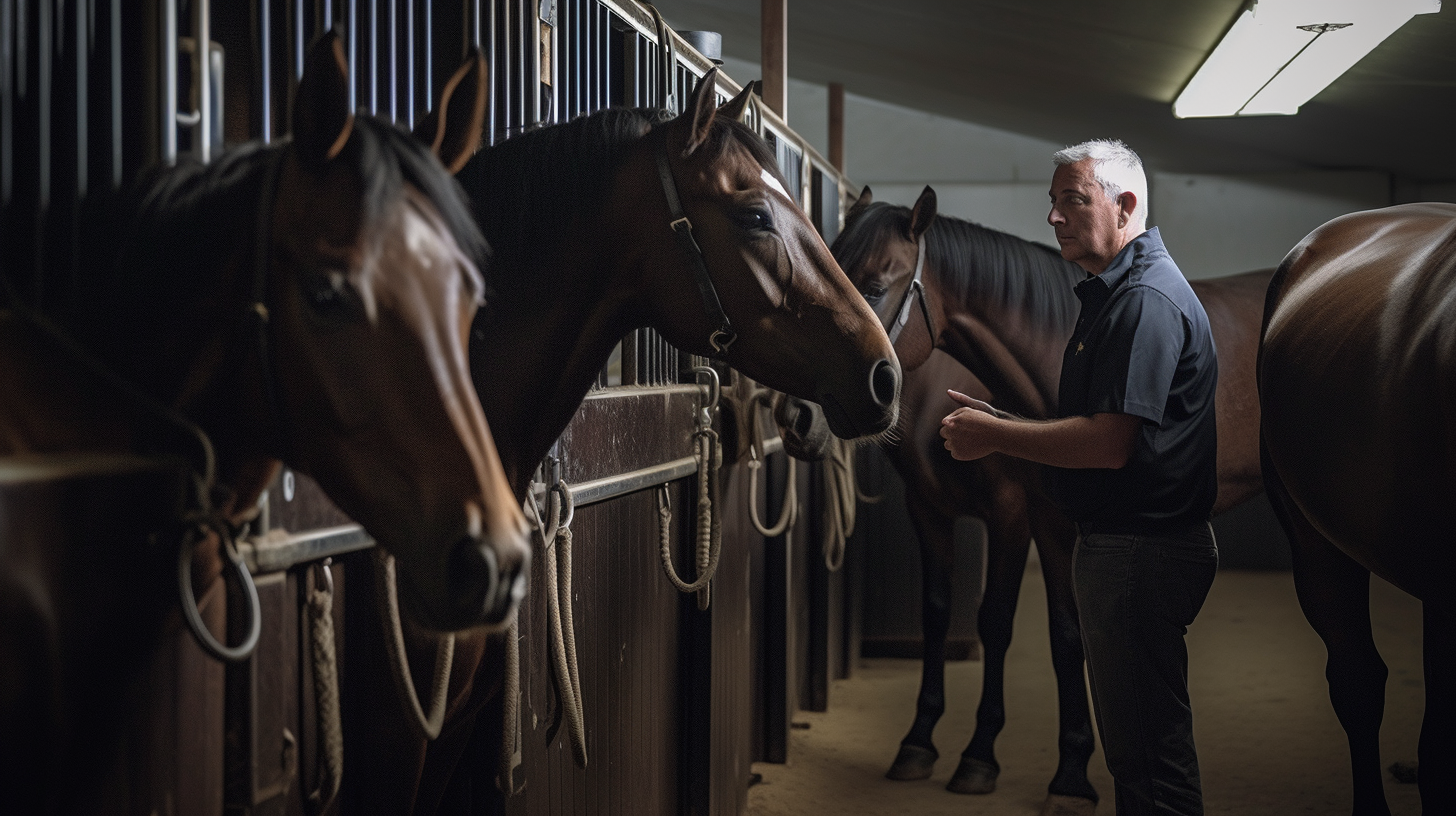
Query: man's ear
1127	205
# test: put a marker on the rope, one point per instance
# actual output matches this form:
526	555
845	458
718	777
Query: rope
841	493
510	755
561	620
326	692
387	585
789	509
709	454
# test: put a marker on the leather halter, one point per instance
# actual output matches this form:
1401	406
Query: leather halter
723	336
915	289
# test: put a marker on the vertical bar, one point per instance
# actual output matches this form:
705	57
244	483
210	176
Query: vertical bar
352	29
7	93
429	85
265	68
328	14
836	125
374	56
393	41
169	84
409	58
81	100
775	27
298	38
496	63
202	76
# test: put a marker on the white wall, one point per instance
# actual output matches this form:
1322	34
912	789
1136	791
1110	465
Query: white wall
1213	225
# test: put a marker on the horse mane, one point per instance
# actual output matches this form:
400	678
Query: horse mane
167	236
530	189
974	262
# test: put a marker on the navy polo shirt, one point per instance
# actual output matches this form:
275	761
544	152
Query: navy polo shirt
1142	346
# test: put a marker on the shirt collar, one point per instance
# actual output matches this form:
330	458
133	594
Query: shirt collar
1117	270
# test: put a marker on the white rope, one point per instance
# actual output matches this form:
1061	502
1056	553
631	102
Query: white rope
841	493
789	509
324	654
510	755
427	726
555	542
709	454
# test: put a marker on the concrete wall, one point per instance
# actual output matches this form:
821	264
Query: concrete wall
1213	225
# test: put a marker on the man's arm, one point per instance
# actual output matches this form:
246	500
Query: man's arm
1097	441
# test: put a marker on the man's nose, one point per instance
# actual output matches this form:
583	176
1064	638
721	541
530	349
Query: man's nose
1054	217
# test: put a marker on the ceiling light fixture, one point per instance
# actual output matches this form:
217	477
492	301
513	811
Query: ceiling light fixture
1280	53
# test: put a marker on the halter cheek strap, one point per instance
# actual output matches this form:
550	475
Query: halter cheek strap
916	289
723	336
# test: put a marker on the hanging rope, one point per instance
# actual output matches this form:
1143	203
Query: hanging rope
510	755
708	450
789	509
555	541
426	726
841	495
323	651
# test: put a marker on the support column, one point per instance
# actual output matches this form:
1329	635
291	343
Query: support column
836	125
775	26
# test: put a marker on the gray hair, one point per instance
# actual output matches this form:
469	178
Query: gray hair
1115	166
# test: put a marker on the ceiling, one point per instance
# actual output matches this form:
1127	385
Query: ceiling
1068	70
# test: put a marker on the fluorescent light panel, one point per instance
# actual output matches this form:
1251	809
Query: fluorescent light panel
1267	64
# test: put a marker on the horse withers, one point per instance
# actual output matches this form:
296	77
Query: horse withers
1357	387
306	301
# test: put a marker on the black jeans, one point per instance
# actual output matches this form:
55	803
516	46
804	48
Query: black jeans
1136	596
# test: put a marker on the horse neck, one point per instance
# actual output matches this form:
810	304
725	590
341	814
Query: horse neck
536	356
1014	346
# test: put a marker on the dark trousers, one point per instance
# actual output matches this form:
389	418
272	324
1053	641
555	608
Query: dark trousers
1136	596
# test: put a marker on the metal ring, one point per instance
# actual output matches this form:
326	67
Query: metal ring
210	644
721	339
715	385
567	503
328	575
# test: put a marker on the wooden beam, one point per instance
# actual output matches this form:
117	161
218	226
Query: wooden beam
836	125
775	26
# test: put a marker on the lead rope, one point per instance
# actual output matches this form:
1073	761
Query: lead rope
561	619
326	691
510	754
426	726
841	496
789	509
708	451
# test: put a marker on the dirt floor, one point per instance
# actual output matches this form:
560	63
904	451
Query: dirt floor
1268	741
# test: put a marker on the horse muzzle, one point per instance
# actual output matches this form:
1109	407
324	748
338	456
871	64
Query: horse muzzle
485	579
869	411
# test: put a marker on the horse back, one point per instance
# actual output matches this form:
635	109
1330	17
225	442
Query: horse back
1357	378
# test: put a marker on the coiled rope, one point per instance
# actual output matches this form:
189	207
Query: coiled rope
789	509
555	538
841	497
319	608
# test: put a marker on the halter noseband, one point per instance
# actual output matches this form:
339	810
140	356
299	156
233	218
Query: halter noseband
723	336
916	288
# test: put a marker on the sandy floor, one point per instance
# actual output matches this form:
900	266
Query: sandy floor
1268	740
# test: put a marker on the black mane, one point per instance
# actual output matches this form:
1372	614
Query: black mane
974	262
164	240
529	189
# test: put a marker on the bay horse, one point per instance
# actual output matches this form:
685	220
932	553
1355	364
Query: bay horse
621	219
305	302
1003	307
1357	384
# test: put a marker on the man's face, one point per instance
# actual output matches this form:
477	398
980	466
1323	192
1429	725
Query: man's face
1088	224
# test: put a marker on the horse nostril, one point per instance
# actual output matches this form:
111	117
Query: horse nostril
885	383
474	577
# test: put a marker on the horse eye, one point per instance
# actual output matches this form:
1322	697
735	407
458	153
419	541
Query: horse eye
327	292
873	292
754	220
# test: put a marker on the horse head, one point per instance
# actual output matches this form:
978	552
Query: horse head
371	286
725	239
882	250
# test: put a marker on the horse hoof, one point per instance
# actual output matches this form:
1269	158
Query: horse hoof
973	776
913	762
1059	805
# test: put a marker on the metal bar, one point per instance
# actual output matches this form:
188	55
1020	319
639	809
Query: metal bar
298	38
409	59
7	94
280	550
202	77
374	57
265	68
82	129
611	487
352	30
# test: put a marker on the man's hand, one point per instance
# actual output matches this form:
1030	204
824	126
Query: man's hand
967	430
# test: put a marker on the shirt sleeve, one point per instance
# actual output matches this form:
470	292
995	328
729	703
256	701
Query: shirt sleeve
1142	339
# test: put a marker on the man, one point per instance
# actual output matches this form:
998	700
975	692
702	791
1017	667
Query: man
1132	462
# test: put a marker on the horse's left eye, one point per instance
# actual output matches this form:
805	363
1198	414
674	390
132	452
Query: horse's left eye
328	293
872	292
754	220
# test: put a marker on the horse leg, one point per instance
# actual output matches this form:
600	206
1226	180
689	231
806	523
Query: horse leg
917	755
1008	538
1334	592
1437	750
1070	791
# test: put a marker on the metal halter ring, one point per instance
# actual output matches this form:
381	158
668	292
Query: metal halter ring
210	644
721	339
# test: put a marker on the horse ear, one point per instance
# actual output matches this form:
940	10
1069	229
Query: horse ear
700	110
923	213
860	205
453	130
738	105
322	120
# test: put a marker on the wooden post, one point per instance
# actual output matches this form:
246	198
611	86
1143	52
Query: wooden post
836	125
776	56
